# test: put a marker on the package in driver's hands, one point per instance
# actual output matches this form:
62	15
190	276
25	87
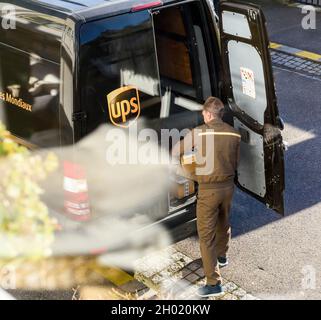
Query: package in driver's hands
181	187
188	162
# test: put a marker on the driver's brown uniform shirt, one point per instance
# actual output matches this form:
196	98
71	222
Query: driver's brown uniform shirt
215	189
224	152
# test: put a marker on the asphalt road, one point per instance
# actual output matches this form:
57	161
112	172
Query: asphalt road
269	254
275	257
285	26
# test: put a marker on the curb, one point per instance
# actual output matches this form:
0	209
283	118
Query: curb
296	52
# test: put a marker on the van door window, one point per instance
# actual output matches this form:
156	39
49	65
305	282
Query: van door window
118	52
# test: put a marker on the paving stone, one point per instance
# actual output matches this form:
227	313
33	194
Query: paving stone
174	280
140	267
157	278
183	285
299	64
170	292
150	272
142	292
169	250
201	282
181	258
144	273
193	277
196	264
158	263
189	293
200	272
168	284
173	268
200	298
182	264
177	276
229	296
147	282
133	286
248	297
177	255
240	293
179	290
230	287
165	274
148	295
182	273
152	263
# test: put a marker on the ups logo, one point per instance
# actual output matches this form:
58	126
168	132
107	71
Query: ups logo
123	106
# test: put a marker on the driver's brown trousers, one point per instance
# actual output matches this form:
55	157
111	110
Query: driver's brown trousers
213	209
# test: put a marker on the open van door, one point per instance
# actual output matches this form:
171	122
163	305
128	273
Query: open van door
249	91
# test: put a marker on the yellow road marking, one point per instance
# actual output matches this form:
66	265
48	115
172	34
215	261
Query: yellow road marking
300	53
115	275
309	55
274	45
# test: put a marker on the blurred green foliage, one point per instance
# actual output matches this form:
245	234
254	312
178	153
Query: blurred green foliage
25	225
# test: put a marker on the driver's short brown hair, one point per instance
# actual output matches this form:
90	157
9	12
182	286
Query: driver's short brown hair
215	106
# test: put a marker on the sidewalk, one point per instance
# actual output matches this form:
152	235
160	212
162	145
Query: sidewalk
172	274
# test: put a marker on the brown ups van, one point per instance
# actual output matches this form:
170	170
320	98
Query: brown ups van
63	64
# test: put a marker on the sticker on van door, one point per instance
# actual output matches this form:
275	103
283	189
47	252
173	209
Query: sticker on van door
248	82
123	106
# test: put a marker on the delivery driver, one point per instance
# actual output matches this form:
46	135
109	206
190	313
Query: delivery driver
219	144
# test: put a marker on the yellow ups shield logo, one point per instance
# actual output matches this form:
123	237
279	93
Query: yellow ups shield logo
123	106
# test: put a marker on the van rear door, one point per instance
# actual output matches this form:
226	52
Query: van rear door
250	92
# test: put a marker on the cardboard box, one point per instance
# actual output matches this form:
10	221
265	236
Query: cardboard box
188	162
182	187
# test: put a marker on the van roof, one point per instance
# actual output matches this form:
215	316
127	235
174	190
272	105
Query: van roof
53	15
86	8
